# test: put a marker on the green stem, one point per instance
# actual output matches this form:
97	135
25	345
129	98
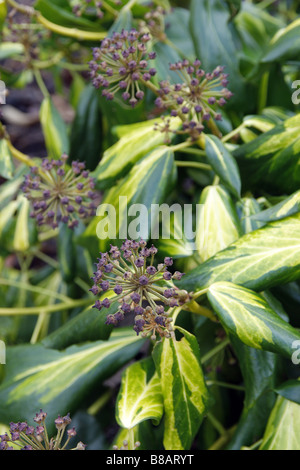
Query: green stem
215	350
225	385
233	133
46	308
216	424
198	165
38	290
62	30
40	82
224	439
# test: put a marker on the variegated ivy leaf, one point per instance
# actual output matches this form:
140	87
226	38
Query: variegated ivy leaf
54	129
259	260
223	164
140	396
136	140
247	208
6	162
176	245
219	224
290	206
285	44
147	184
248	316
184	389
58	380
283	428
272	159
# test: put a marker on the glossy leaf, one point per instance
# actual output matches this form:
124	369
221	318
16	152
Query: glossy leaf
140	396
248	316
290	206
285	45
272	159
247	209
258	260
290	389
223	164
6	162
54	129
147	183
283	429
218	222
214	41
26	387
86	133
136	140
260	370
183	387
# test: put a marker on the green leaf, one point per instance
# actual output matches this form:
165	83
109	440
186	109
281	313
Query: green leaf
140	396
283	428
218	225
285	45
247	209
223	164
136	140
272	159
148	183
259	260
290	389
10	49
60	12
6	162
88	325
59	381
54	129
184	390
260	370
248	316
214	41
290	206
86	133
177	245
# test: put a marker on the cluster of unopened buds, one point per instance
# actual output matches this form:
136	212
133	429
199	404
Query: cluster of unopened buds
122	63
59	193
195	97
154	22
26	437
129	272
96	7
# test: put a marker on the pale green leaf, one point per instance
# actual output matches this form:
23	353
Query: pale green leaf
140	396
258	260
218	224
184	390
248	316
283	428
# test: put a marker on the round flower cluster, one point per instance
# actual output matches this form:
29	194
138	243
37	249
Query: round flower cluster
194	99
92	6
36	438
60	194
122	63
130	273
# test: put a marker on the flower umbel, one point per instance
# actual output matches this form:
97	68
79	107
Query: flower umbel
122	63
195	98
59	194
36	438
130	273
